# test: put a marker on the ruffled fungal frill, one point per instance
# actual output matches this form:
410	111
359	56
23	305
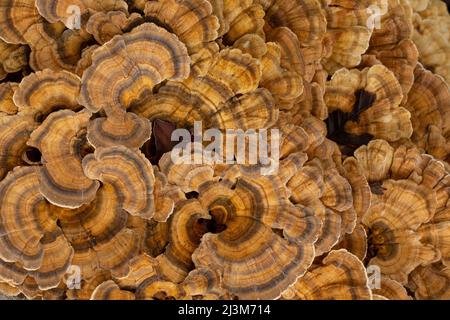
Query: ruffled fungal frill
61	139
135	74
340	276
364	105
40	251
44	92
429	105
67	11
224	149
402	181
129	172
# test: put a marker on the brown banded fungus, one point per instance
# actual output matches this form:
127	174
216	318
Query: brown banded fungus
101	197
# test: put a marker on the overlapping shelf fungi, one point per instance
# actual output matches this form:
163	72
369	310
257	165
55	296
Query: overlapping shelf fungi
351	96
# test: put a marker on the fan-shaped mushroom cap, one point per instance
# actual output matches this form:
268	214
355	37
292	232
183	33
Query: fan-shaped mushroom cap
299	138
429	105
360	187
431	282
438	235
371	101
129	172
16	17
156	237
246	19
231	73
41	248
8	290
14	134
188	177
348	28
431	37
60	140
157	288
166	196
127	129
375	160
250	212
397	247
44	92
13	274
401	59
7	106
88	286
341	276
256	109
391	289
252	44
203	282
85	59
305	18
307	184
183	239
109	290
330	195
396	24
192	21
135	73
291	51
286	86
54	47
141	268
63	10
99	235
105	25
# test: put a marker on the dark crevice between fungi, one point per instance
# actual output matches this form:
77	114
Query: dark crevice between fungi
192	195
337	120
212	226
380	242
17	76
161	295
377	188
82	147
160	141
32	156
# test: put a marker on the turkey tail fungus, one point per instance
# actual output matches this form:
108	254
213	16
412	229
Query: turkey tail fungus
224	149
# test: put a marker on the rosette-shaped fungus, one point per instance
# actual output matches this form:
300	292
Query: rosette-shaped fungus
348	26
365	105
62	143
230	223
429	105
193	22
225	97
406	224
40	250
306	19
44	92
128	172
340	276
94	205
432	37
137	61
66	11
431	282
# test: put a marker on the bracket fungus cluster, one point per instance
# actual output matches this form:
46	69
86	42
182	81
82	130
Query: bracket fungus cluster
352	98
